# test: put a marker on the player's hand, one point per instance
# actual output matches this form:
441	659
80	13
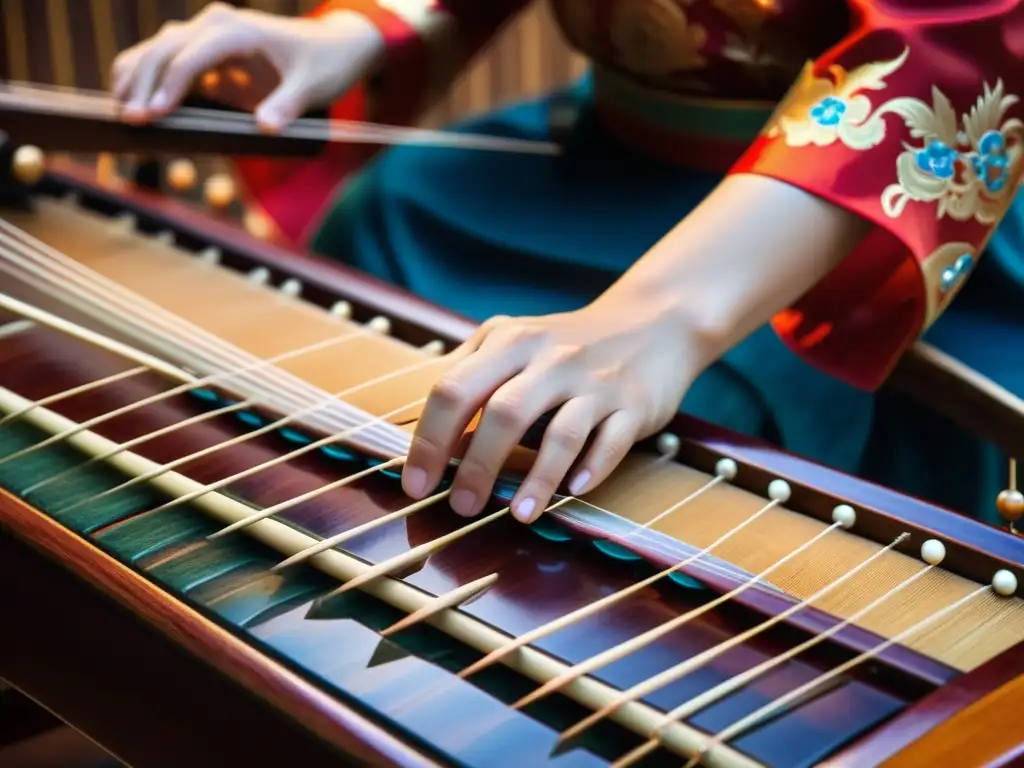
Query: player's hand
276	66
613	374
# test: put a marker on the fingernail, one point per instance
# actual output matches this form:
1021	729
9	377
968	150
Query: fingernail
414	480
160	101
270	120
524	510
464	503
579	483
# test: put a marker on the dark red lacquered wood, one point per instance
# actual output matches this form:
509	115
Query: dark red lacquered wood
256	709
37	365
530	592
918	724
21	718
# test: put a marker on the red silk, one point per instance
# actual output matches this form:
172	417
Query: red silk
856	323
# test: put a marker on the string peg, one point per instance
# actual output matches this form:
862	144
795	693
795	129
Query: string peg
127	222
259	276
726	469
291	287
379	324
933	552
668	444
258	224
1004	583
780	491
434	348
28	164
219	190
106	169
182	175
341	309
1010	505
845	516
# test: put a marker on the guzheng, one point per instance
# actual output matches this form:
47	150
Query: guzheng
207	558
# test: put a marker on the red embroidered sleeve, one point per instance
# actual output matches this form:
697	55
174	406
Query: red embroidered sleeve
427	44
912	123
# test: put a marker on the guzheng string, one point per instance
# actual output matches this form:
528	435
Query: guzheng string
101	106
79	390
46	269
779	493
662	728
149	311
694	663
342	566
776	707
728	466
729	686
49	271
190	385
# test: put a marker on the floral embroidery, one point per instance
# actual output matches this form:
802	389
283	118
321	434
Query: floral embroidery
654	37
952	276
820	111
937	159
829	111
992	162
945	271
963	164
982	149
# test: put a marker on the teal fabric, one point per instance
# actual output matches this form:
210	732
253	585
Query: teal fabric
490	233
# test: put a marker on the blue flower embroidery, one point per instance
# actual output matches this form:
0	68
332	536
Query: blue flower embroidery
829	111
954	275
938	159
991	165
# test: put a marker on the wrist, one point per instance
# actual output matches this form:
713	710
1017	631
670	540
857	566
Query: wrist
698	336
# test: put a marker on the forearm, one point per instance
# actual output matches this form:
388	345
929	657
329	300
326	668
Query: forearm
751	249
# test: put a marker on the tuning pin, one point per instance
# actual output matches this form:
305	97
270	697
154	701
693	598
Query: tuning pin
379	324
434	348
219	190
106	169
181	175
28	164
1010	505
258	224
209	82
239	77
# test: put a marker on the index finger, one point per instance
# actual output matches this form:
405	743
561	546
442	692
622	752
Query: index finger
194	59
451	406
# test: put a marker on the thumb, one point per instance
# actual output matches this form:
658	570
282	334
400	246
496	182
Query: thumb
286	102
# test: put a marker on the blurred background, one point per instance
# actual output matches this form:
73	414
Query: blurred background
73	42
